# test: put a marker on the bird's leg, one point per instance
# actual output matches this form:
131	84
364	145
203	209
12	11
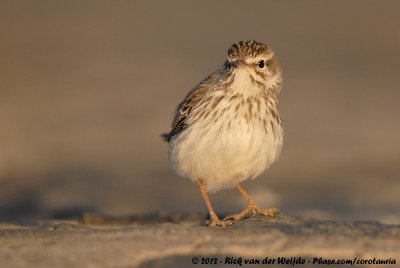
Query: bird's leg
251	208
215	221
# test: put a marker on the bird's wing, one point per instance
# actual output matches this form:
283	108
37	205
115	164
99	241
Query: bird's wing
186	106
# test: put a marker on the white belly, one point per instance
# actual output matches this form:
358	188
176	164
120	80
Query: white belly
225	152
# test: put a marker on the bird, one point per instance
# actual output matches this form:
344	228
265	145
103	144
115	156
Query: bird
227	129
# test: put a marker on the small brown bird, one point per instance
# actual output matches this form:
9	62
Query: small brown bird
228	129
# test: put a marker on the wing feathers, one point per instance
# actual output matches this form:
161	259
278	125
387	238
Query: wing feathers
188	104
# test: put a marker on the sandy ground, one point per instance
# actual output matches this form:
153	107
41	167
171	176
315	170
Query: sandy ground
87	87
173	240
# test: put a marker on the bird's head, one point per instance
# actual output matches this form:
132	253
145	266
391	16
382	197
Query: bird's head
252	63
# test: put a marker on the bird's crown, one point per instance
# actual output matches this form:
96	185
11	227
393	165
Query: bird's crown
246	49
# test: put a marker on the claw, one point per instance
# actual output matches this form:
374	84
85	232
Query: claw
253	209
271	212
216	222
219	223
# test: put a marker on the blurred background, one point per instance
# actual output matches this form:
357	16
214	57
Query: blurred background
87	87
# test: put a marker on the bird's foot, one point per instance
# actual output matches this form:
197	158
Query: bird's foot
271	212
216	222
253	209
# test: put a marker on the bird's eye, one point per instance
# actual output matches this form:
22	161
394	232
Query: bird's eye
261	64
228	64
